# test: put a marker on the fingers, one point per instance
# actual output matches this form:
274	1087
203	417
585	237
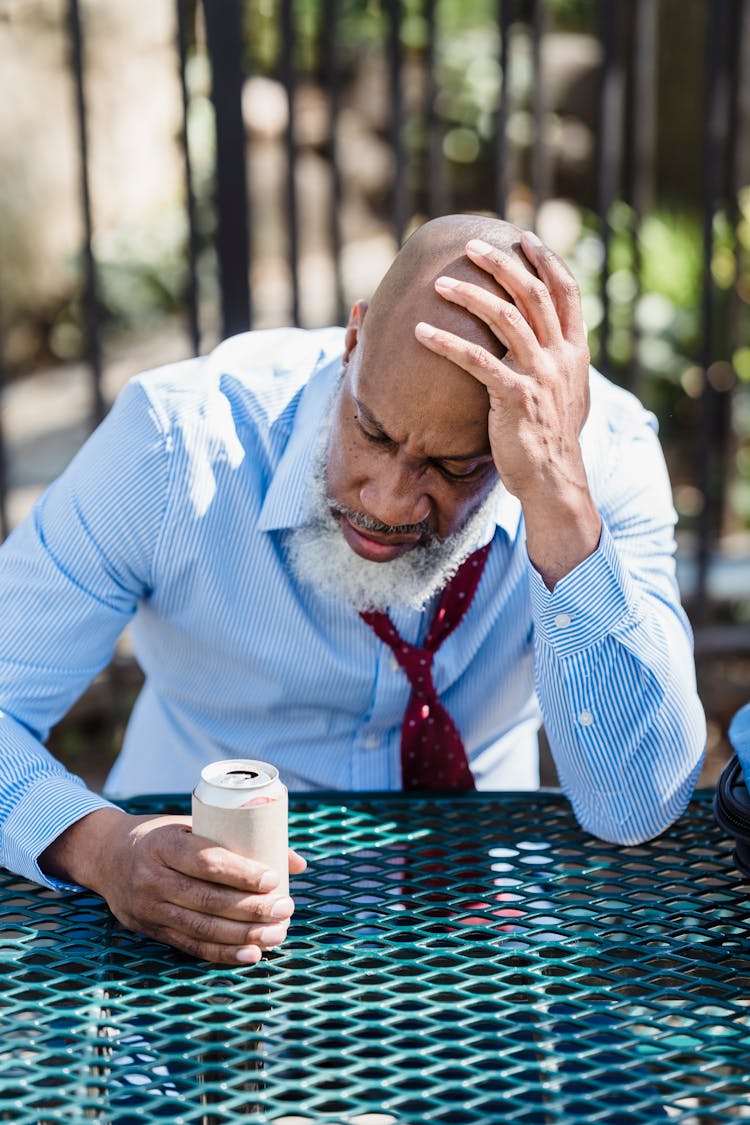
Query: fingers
561	284
199	858
505	319
473	358
206	860
544	312
549	300
218	953
297	864
214	938
212	922
530	294
218	901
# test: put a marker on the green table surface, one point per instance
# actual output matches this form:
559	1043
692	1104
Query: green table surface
452	959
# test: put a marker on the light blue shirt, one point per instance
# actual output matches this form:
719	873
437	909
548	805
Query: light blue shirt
173	520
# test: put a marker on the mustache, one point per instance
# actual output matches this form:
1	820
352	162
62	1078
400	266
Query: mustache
369	523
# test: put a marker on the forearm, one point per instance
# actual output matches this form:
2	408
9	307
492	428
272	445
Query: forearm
40	800
75	856
628	745
616	684
563	528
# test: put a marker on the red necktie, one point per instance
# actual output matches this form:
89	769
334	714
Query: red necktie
432	753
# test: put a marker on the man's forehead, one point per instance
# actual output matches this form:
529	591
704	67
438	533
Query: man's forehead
395	361
415	392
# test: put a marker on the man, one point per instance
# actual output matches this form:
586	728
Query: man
256	513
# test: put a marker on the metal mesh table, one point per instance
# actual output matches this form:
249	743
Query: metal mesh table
456	960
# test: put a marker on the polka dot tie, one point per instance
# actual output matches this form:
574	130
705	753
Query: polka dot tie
432	753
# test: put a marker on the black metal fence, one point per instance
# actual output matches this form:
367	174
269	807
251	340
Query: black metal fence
665	107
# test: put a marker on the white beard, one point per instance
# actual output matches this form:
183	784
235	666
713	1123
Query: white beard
320	556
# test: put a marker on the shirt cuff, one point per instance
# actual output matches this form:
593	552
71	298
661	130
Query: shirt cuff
45	810
585	605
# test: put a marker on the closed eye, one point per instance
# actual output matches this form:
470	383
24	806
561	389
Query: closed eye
375	436
463	472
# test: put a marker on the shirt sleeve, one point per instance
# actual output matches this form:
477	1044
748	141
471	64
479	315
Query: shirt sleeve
71	576
614	660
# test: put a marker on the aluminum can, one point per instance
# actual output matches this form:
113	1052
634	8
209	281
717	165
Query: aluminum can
242	804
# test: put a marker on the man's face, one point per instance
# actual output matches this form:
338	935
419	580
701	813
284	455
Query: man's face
409	458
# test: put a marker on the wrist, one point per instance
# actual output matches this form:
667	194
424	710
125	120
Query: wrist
561	532
79	854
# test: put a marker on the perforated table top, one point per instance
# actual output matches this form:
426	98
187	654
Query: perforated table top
456	960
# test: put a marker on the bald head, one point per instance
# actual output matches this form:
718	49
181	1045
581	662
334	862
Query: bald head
406	295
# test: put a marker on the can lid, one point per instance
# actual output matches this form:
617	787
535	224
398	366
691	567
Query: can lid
239	773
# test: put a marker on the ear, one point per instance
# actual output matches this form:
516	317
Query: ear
353	328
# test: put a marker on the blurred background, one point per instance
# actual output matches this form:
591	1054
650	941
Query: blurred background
173	171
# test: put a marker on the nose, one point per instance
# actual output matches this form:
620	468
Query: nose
394	495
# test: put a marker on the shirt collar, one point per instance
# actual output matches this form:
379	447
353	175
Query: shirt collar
287	502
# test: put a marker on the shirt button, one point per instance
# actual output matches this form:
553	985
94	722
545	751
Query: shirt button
586	719
393	664
372	742
562	620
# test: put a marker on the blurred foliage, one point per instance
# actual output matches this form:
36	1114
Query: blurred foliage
574	15
655	296
363	24
142	270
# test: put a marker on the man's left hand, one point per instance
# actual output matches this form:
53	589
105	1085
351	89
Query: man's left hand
538	393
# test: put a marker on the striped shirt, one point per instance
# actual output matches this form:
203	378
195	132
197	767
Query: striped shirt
173	518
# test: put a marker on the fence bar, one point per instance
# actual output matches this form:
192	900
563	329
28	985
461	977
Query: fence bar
714	184
191	286
288	50
643	118
395	64
737	128
224	42
90	287
330	44
4	520
539	162
742	94
502	178
640	143
437	202
609	150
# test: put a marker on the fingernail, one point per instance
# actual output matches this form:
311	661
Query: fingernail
274	935
478	246
534	239
426	331
268	880
282	908
248	956
446	282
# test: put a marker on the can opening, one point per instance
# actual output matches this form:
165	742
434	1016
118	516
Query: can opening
243	775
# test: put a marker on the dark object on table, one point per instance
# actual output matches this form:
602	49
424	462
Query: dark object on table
732	800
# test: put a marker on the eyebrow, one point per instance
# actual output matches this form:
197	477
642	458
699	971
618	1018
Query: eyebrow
372	421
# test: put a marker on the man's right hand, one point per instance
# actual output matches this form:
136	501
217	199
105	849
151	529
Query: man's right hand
159	879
